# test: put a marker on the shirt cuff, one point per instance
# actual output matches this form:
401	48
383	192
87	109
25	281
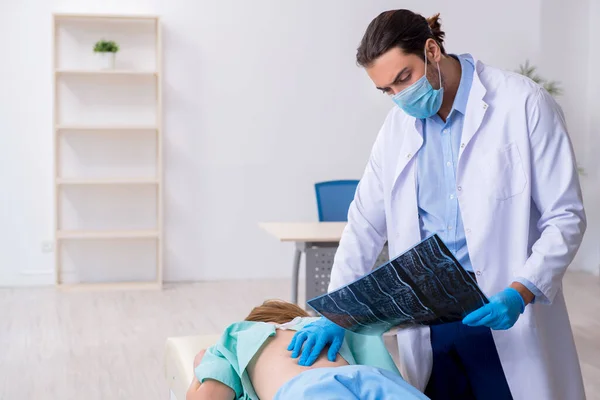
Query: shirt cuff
537	293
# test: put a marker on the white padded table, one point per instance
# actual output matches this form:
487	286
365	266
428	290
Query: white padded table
179	361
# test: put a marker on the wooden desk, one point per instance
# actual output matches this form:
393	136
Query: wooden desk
305	231
305	235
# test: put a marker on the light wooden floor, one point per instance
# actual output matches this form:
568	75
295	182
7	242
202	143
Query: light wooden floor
109	345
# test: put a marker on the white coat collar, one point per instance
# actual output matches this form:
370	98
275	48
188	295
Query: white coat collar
476	108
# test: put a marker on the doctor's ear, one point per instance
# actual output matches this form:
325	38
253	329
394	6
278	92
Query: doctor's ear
434	53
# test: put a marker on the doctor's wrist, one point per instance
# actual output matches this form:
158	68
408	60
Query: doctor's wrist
525	293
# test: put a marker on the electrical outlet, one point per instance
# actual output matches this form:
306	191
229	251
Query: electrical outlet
47	247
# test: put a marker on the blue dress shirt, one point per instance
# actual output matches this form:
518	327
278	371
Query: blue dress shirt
439	211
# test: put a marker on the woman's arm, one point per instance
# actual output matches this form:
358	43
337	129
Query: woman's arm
210	389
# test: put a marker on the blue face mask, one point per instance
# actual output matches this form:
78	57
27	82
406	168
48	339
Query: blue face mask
420	99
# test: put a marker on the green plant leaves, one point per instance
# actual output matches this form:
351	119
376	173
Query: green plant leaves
530	71
104	46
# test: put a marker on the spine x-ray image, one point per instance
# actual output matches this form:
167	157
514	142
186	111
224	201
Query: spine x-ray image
425	285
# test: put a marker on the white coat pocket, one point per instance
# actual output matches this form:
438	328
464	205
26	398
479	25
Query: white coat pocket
504	171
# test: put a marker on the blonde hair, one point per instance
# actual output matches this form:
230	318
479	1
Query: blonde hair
277	311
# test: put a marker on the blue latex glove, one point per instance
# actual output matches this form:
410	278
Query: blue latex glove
501	312
317	335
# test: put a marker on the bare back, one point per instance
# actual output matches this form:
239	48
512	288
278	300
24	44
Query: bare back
272	366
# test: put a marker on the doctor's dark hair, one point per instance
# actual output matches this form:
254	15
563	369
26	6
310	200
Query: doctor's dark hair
399	28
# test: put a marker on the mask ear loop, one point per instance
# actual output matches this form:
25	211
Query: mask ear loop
438	65
426	61
440	74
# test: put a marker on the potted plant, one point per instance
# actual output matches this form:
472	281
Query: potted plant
106	52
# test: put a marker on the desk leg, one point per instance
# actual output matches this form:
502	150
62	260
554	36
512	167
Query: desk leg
296	274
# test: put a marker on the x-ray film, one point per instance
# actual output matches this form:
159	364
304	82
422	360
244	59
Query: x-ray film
425	285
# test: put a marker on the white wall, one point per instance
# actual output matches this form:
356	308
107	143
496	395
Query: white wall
261	100
276	104
26	175
570	55
589	257
565	58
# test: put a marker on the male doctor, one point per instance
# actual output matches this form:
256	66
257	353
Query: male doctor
481	157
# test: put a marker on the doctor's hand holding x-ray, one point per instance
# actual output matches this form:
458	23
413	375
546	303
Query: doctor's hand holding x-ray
481	157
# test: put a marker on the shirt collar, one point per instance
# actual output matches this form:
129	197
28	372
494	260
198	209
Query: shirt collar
464	86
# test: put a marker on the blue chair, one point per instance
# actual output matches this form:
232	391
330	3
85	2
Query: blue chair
334	198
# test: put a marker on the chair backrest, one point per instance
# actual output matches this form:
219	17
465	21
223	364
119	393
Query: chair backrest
334	198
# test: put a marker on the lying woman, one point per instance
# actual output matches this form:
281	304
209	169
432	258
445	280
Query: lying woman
252	361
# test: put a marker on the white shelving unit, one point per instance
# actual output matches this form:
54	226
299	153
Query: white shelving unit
66	72
105	127
108	152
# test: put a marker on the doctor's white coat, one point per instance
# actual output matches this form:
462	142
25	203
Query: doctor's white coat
522	209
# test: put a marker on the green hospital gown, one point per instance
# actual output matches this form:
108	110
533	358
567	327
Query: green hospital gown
228	359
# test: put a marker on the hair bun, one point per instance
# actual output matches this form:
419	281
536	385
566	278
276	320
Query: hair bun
436	28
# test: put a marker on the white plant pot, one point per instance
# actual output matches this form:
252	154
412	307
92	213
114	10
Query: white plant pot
106	60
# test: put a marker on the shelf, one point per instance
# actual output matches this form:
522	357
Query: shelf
125	181
133	17
109	72
143	234
106	128
101	117
110	286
